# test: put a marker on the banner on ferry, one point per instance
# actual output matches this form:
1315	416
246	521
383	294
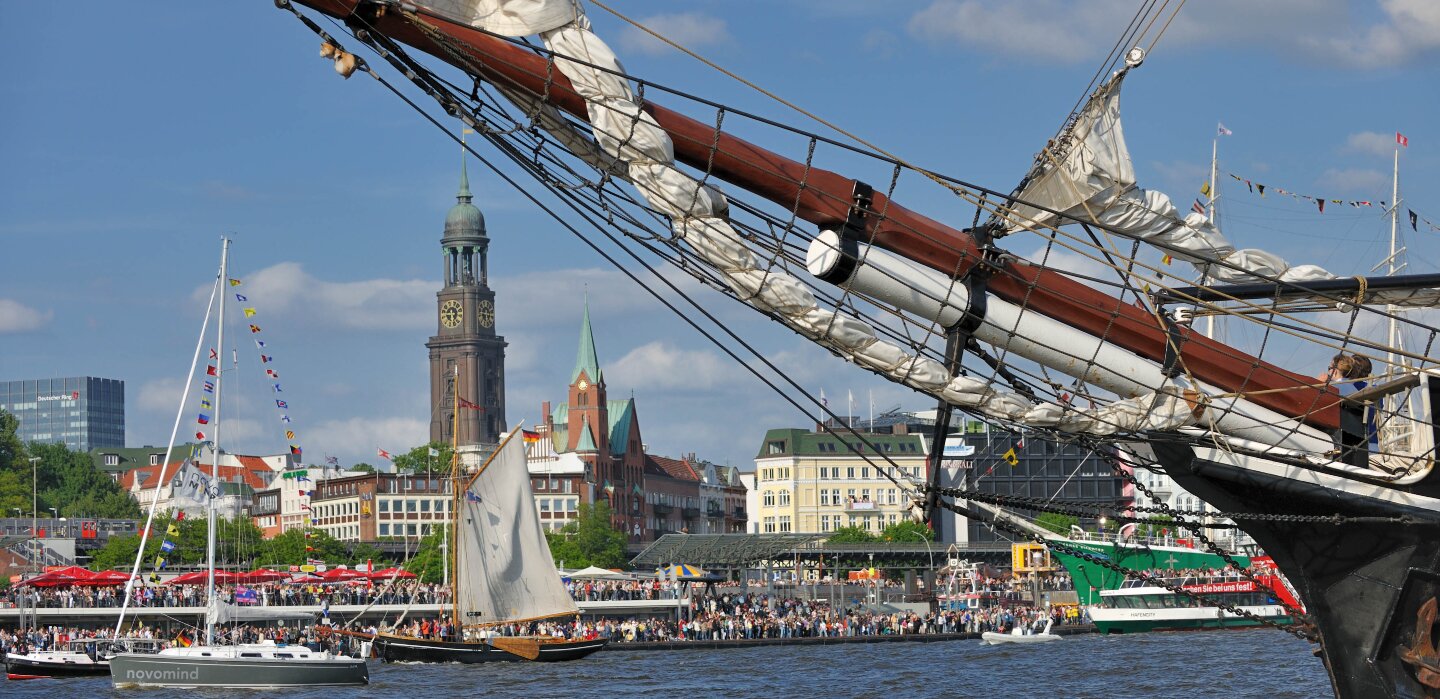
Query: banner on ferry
1213	588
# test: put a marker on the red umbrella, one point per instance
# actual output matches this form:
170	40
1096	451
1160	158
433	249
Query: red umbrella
338	574
302	578
392	573
261	575
105	578
198	578
59	577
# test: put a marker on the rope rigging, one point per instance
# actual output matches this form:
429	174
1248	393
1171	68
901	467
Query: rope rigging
586	173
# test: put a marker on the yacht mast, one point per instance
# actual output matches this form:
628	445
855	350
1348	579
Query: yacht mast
214	489
1210	213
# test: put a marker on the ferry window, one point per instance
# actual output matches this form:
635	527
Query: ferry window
248	655
284	655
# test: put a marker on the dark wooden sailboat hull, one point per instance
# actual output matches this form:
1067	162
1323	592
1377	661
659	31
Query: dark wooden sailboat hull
393	649
1364	583
20	667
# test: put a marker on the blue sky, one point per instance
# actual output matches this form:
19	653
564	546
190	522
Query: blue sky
134	136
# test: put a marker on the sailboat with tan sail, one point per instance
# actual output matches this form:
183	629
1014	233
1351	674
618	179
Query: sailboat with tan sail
503	573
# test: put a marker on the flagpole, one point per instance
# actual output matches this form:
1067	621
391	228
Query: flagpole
1394	234
1214	194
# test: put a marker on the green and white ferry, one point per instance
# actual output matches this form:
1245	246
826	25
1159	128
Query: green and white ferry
1143	606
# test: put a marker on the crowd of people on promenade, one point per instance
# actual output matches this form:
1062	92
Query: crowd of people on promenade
263	594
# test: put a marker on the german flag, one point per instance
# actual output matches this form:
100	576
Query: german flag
529	436
183	641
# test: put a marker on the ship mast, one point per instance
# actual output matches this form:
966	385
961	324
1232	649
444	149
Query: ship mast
214	488
446	553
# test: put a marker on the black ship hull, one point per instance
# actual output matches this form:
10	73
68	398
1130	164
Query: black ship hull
23	668
1366	584
405	649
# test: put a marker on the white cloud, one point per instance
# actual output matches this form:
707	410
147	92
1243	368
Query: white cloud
16	317
1371	143
160	396
287	290
359	437
1410	29
1073	31
692	30
664	366
1012	27
1357	180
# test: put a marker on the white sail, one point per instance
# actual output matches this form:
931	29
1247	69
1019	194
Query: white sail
503	569
1091	179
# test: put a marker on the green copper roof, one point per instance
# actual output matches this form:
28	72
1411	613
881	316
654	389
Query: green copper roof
587	440
585	359
464	219
619	412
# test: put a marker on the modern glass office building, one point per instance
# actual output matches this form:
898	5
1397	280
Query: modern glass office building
84	412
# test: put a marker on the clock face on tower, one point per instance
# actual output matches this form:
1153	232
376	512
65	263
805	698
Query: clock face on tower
450	313
486	312
583	384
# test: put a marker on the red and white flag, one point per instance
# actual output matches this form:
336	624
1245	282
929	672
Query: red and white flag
384	454
1401	139
213	355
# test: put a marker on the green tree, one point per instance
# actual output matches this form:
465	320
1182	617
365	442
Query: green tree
907	530
1056	522
851	535
12	449
295	546
363	467
426	458
237	543
589	540
429	560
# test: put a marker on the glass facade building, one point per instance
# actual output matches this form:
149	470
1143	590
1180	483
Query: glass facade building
84	412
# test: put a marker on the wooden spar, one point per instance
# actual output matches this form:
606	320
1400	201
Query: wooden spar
823	198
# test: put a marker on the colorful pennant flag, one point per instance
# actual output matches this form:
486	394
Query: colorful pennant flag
213	355
211	371
209	387
294	450
277	388
241	298
249	313
383	454
254	328
203	419
465	404
289	434
1011	457
265	359
281	404
260	344
234	282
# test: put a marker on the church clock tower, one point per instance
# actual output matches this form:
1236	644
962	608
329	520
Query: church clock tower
465	346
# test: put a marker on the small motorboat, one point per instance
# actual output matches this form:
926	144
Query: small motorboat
1020	634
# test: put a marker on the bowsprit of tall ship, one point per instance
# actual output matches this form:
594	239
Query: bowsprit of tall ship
1105	360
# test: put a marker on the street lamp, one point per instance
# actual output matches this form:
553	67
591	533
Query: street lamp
34	507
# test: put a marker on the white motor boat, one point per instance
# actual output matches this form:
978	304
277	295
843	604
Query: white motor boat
1019	635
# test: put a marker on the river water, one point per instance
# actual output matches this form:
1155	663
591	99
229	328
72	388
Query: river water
1252	663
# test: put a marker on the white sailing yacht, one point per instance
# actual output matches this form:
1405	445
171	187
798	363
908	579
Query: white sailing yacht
251	666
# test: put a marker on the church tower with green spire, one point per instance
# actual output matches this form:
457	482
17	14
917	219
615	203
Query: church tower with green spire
465	347
588	423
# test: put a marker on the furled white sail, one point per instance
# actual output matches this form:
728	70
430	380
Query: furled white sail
1087	175
503	567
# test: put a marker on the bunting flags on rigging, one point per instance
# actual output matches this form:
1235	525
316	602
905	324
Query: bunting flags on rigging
1320	202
